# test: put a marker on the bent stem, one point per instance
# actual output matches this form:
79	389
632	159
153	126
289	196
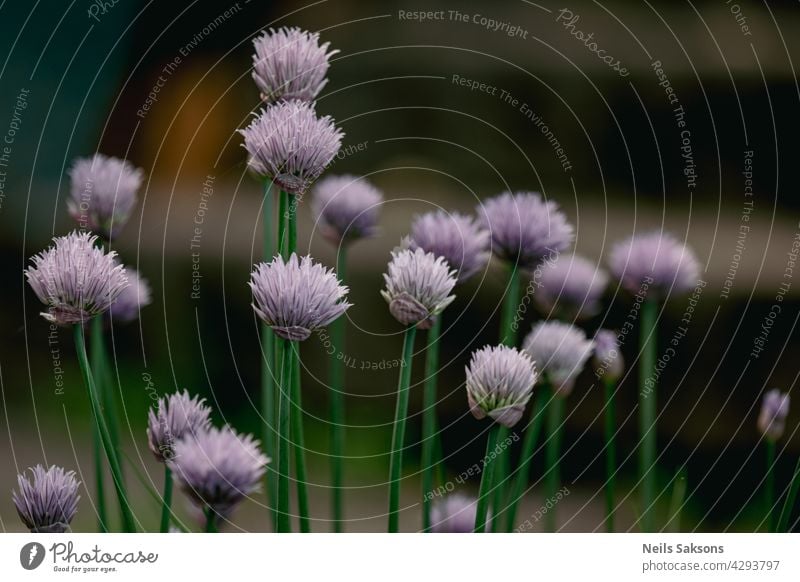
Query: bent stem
298	443
399	428
647	413
486	481
429	435
788	504
611	451
336	380
555	421
166	500
111	454
284	523
769	486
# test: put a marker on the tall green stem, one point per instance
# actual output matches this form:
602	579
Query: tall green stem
500	478
429	435
284	522
283	213
647	412
789	503
769	493
298	444
399	429
508	330
487	480
611	451
555	421
100	500
105	438
166	500
336	375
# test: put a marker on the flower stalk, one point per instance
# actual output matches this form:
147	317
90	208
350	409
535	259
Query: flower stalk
337	402
647	412
429	434
610	424
166	500
487	480
555	424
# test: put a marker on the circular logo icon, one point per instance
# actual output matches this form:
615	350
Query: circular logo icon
31	555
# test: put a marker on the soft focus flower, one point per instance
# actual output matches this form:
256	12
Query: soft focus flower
524	228
290	145
418	286
175	417
48	503
608	360
297	297
135	296
346	208
560	350
657	259
75	279
458	239
454	514
772	418
103	193
572	285
499	383
289	63
217	468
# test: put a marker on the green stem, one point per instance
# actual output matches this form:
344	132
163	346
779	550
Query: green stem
102	523
211	520
284	522
769	493
111	454
508	329
611	451
283	204
336	374
647	412
486	480
166	500
429	435
399	429
788	504
555	421
298	443
499	477
292	228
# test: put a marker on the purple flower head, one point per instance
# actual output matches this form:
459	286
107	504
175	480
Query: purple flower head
48	502
75	279
608	360
130	302
454	514
499	383
458	239
297	297
290	145
657	259
772	418
217	468
346	208
560	350
418	286
570	285
103	193
524	228
289	63
176	416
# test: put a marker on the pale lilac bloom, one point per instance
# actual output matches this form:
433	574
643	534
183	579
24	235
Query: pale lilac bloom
499	384
290	145
571	285
130	302
657	259
297	297
290	63
525	228
772	418
458	239
175	417
346	208
560	350
103	193
48	501
418	286
608	361
75	279
454	514
218	468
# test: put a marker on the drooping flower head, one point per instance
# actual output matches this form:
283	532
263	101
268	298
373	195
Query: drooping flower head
458	239
296	297
657	259
48	501
454	514
524	228
290	63
772	418
500	381
218	468
346	208
75	279
175	417
570	285
560	350
418	286
290	145
103	193
608	361
130	302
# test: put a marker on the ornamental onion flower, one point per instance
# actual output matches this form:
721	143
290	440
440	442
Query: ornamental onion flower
524	228
48	501
175	417
130	302
499	383
296	297
458	239
454	514
560	350
75	279
346	208
772	418
103	193
290	145
571	285
608	361
418	286
290	63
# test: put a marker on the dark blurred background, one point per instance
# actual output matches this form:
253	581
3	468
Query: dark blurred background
85	72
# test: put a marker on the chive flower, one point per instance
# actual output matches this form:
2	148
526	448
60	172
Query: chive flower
48	500
454	514
130	302
175	417
608	361
571	285
772	418
346	208
560	350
